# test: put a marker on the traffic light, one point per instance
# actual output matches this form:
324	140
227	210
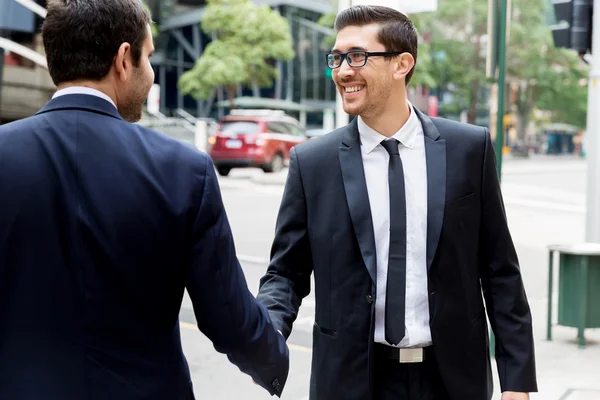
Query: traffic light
574	24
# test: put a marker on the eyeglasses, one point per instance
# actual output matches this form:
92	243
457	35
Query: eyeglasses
355	59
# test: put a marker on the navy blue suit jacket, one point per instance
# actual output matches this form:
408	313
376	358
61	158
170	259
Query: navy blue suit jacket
103	224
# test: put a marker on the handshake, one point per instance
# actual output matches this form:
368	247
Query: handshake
259	350
276	386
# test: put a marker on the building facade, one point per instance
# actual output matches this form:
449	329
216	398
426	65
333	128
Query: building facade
25	85
303	86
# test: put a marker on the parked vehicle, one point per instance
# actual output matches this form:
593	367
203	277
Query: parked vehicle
255	138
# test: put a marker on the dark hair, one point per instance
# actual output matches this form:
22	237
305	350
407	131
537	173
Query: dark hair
396	33
82	37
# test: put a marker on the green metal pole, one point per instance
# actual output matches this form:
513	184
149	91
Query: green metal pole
499	145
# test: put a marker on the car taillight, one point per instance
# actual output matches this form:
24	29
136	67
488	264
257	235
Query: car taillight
212	140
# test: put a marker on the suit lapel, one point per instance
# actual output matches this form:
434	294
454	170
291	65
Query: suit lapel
435	153
355	186
353	175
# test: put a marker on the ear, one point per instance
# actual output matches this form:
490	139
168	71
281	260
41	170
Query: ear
123	61
404	64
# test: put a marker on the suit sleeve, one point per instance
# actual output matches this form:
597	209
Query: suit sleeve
504	293
226	311
287	280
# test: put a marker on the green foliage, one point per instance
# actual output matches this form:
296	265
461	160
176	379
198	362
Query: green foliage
328	20
249	38
153	25
458	53
563	89
548	78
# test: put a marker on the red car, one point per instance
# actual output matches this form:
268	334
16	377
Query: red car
255	139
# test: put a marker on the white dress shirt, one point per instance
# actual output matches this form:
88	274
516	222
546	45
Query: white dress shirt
375	160
83	90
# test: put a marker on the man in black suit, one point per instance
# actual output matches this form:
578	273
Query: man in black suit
104	224
401	219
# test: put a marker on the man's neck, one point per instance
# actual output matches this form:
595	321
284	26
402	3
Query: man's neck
391	120
99	86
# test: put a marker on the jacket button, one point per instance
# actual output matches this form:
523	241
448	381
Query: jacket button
369	299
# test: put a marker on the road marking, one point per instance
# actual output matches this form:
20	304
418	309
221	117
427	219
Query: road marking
187	325
295	347
252	259
309	321
545	205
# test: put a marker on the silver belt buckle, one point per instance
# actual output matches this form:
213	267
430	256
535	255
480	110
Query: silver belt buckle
411	355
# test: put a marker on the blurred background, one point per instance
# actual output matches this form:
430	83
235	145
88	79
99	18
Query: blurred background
209	62
245	80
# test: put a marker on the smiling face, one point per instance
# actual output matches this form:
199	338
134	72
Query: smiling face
366	90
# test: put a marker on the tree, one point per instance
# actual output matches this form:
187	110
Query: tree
248	38
153	25
457	31
548	78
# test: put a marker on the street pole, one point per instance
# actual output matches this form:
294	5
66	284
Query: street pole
593	135
500	34
1	76
499	145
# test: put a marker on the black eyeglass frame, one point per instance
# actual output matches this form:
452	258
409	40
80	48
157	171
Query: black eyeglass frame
366	53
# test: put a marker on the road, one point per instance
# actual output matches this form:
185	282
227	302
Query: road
545	204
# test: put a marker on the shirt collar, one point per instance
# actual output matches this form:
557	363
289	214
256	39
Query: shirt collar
83	90
370	138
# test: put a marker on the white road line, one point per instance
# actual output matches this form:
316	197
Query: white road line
189	326
301	349
544	205
542	169
308	321
252	259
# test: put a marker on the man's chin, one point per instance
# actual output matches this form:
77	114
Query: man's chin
132	117
351	110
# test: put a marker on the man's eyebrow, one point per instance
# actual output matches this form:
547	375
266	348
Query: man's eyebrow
354	48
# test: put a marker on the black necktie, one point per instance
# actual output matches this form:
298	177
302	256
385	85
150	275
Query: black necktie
396	278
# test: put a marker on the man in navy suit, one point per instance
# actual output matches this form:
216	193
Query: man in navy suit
104	224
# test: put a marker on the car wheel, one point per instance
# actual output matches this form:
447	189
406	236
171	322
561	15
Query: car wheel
223	171
275	165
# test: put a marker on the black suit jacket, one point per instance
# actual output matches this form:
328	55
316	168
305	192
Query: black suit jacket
324	226
103	224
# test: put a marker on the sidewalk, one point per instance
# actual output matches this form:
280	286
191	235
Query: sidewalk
564	371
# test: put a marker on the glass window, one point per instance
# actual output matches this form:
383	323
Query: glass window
294	130
239	127
277	127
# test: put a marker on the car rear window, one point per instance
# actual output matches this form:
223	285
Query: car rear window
239	127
